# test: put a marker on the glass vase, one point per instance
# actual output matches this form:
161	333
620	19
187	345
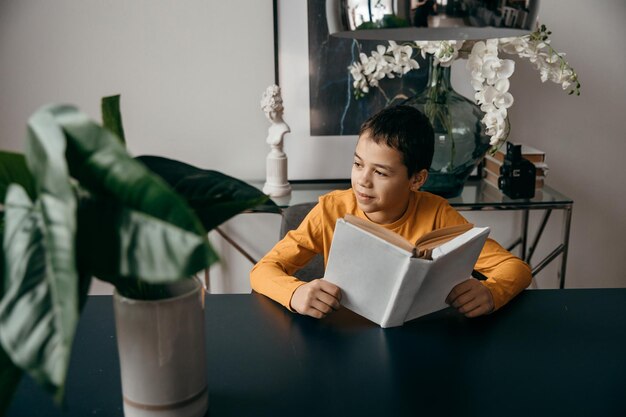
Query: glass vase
460	139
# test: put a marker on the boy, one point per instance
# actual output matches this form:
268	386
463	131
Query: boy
393	153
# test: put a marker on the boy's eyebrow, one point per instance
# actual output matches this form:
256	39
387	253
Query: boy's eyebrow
383	166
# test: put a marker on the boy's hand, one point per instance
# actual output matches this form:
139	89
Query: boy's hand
317	298
471	298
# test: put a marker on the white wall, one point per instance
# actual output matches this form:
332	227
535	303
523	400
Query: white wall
191	73
191	84
584	137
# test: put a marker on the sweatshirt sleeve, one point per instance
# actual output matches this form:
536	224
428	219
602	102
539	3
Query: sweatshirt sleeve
507	275
273	276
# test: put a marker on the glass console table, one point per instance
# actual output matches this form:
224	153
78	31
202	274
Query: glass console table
482	196
476	196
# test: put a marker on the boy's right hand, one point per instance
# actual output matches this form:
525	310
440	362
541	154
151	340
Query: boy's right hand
317	298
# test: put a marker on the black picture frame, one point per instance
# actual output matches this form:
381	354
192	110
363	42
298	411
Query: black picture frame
322	139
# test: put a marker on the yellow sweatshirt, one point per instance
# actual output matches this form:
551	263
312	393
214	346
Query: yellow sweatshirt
272	276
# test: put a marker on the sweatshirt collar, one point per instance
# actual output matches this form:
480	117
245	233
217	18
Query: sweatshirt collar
410	211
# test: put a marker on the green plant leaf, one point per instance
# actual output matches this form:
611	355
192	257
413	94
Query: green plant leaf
13	169
39	310
214	196
105	169
2	283
120	245
101	165
111	116
10	374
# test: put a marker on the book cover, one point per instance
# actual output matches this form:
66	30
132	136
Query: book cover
493	164
383	279
528	152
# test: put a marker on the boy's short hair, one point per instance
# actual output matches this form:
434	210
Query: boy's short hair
406	129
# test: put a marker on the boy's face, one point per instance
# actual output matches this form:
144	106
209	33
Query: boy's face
380	180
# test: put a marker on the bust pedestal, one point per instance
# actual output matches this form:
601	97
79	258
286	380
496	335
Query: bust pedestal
276	184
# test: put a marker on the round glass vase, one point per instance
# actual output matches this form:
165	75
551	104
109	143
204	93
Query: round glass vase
460	139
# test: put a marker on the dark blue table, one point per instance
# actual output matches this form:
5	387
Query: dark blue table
547	353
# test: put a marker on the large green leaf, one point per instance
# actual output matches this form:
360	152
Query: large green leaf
9	373
2	284
111	116
119	245
13	169
101	164
39	310
214	196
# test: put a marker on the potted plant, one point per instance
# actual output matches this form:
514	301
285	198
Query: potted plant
77	205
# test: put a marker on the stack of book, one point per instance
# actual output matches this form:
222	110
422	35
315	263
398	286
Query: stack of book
492	164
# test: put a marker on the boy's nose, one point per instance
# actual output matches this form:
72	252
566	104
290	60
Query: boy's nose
365	180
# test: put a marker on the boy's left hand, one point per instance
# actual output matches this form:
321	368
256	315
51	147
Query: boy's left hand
471	298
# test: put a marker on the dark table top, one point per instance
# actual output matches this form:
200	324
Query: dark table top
549	352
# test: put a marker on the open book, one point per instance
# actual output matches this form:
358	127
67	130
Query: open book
389	280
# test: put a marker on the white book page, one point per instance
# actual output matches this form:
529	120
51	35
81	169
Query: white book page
452	264
366	268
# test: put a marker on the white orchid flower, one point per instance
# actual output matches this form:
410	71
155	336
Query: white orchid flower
513	45
477	84
506	68
495	68
392	46
495	125
427	47
489	73
489	47
356	70
489	69
478	50
502	85
503	101
474	63
368	63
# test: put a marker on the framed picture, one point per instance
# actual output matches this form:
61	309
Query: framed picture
320	106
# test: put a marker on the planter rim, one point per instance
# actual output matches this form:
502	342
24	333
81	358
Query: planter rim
192	291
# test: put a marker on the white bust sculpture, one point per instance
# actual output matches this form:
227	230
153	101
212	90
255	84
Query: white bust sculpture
276	184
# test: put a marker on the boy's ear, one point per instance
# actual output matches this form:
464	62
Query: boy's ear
418	179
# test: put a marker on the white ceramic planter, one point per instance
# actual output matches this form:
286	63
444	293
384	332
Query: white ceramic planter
162	353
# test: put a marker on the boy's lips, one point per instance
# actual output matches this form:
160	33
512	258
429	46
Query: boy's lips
363	197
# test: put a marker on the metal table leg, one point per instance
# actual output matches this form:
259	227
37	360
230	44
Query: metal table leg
567	220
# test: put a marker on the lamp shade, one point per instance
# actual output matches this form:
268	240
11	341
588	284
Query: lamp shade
423	20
